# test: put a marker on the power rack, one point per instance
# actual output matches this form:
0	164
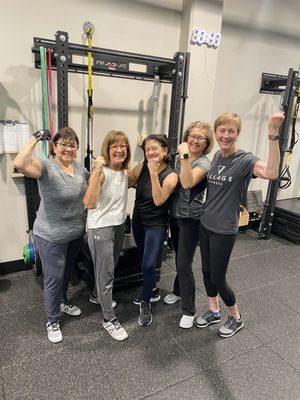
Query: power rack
288	86
111	63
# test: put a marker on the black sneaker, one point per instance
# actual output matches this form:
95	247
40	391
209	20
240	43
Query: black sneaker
231	326
145	317
208	318
154	298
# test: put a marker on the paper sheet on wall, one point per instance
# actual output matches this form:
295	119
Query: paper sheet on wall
2	150
22	132
10	138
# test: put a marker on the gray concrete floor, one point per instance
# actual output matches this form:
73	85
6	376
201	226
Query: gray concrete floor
161	361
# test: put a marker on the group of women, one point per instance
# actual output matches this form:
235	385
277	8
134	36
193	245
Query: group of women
164	197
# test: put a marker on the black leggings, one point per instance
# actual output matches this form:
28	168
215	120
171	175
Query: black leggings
215	252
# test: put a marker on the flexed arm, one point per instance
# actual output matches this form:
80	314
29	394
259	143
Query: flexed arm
25	162
160	193
189	177
269	170
91	197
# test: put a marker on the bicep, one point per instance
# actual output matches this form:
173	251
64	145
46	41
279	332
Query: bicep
260	169
169	184
33	170
134	174
198	174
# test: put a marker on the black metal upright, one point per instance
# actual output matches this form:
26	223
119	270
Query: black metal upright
176	97
273	86
62	55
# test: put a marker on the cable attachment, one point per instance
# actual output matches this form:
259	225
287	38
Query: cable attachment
88	28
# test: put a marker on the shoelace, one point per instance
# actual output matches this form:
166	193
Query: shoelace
230	322
55	327
208	314
114	325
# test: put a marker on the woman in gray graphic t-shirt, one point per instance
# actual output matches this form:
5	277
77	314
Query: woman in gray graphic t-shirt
227	182
60	220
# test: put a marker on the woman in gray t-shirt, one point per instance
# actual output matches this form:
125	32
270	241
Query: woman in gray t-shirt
60	220
192	168
228	179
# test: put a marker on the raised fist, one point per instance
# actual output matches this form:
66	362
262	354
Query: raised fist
42	134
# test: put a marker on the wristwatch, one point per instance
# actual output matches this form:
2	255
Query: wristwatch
184	156
274	137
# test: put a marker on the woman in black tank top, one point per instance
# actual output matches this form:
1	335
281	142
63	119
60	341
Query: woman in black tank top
155	180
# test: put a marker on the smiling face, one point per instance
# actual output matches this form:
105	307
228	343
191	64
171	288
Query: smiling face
154	150
226	136
197	141
65	150
117	154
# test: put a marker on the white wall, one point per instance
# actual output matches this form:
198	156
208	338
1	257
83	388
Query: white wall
257	36
122	25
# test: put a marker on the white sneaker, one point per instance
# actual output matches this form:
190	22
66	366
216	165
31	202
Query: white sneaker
115	329
187	321
70	309
171	298
54	332
95	300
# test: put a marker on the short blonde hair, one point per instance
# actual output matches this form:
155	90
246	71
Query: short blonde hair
209	134
111	138
227	118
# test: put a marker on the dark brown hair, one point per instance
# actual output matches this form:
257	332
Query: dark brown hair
162	140
67	134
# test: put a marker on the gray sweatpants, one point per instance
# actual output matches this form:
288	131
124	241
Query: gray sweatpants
58	260
105	245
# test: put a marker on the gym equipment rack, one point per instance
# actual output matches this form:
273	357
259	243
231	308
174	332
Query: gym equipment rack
289	87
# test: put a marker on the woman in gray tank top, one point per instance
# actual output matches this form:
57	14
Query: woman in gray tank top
60	220
228	179
192	167
106	200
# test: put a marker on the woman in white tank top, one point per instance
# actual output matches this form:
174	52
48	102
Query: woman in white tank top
106	200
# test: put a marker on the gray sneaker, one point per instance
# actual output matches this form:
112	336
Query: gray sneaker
231	326
154	298
93	299
208	318
70	309
145	317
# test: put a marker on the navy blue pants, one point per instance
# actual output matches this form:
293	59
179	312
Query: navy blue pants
58	260
149	242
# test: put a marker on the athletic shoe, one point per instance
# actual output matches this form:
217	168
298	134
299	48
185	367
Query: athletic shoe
54	332
154	298
145	317
231	327
69	309
171	298
93	299
208	318
115	329
187	321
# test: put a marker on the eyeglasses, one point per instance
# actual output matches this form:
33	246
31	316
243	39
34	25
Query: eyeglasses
65	146
197	138
116	146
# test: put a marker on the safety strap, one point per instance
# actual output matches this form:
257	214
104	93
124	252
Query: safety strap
155	98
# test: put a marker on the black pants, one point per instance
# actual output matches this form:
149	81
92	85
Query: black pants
187	231
215	252
174	230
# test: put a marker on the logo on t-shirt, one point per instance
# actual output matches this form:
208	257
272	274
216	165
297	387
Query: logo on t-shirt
221	168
